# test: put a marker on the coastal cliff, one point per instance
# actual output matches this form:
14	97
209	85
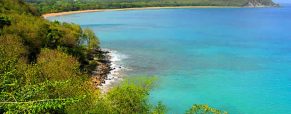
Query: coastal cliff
261	3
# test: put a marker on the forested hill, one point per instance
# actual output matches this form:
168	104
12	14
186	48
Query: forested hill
48	6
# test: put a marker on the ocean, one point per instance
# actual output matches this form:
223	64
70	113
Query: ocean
234	59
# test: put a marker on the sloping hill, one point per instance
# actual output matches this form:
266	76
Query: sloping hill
16	6
47	6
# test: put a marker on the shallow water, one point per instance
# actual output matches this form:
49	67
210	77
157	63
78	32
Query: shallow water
237	60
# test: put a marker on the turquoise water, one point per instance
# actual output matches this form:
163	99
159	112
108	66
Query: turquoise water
237	60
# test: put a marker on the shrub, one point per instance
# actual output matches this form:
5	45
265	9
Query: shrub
56	65
204	109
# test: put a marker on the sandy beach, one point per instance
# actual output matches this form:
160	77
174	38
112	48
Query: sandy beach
124	9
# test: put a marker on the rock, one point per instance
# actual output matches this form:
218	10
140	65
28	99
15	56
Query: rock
103	68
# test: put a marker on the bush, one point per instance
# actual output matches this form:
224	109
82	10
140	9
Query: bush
204	109
130	97
56	65
11	53
4	21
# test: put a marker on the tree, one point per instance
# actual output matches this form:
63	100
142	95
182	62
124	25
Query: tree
159	109
56	65
90	39
204	109
4	21
130	97
11	52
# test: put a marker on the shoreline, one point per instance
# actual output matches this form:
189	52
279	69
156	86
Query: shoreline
113	70
109	72
126	9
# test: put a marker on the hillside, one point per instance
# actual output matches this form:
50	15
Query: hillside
48	6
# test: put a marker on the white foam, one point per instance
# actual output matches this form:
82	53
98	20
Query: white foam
115	74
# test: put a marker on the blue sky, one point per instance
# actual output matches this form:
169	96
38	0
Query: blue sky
282	1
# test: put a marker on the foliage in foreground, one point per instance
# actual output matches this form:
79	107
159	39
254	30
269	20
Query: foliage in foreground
130	97
43	65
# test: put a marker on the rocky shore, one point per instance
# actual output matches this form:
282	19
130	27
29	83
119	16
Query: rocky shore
99	75
106	70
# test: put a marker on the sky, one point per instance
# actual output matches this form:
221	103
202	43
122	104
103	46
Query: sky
282	1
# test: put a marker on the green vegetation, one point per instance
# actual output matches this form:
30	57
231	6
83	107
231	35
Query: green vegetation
48	6
131	97
203	109
44	68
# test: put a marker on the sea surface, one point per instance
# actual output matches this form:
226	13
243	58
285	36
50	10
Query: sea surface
234	59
